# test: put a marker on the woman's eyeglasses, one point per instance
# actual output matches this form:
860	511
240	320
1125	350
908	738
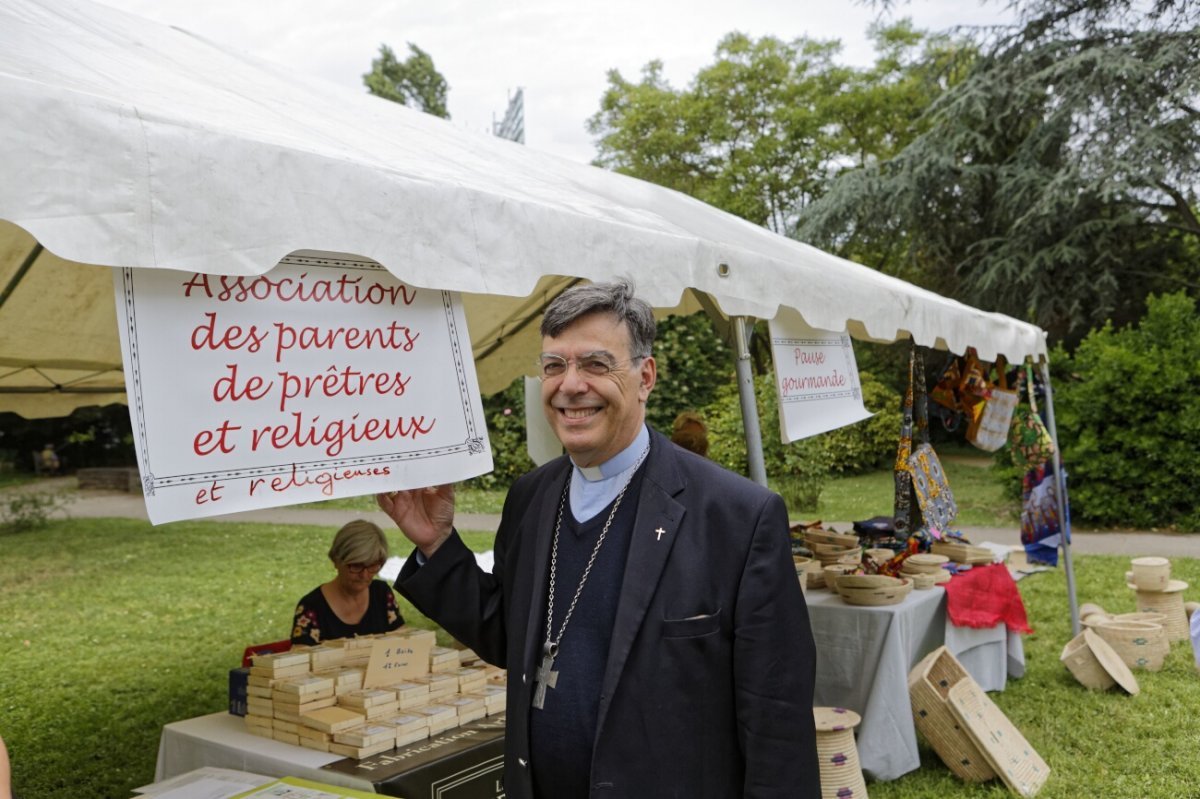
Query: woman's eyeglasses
361	568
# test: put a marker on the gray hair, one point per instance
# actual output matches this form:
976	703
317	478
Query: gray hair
615	298
359	541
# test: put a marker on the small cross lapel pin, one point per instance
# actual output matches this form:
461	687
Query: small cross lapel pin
660	532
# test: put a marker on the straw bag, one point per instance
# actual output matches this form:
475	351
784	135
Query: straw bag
1029	440
992	417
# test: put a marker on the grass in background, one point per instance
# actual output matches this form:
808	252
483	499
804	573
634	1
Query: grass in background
979	492
111	628
1099	745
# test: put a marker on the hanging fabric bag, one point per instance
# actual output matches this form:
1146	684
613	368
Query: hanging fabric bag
918	468
1029	440
989	428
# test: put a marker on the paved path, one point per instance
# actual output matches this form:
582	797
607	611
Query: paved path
96	504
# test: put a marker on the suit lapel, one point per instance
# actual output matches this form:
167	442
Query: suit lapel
655	529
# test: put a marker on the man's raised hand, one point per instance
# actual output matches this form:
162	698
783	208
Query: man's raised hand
424	515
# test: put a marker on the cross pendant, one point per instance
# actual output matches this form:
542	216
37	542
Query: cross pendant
545	677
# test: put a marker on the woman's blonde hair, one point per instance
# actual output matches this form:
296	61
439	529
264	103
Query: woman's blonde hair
359	541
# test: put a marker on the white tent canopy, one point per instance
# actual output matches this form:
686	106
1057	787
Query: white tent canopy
127	143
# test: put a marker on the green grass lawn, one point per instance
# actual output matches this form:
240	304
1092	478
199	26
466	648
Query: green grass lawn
978	490
111	628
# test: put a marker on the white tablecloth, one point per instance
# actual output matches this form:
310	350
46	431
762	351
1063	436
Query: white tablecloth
864	655
221	740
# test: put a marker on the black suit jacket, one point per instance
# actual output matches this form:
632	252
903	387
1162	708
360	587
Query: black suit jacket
708	688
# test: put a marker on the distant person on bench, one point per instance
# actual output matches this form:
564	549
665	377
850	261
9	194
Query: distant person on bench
50	461
353	602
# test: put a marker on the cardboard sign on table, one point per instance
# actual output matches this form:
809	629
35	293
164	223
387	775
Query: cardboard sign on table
326	377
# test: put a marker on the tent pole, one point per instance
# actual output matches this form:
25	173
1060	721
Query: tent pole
745	378
1060	483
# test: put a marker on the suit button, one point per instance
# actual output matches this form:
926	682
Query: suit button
522	678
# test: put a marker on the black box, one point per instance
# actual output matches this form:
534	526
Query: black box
237	690
463	763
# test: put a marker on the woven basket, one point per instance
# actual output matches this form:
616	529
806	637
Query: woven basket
1006	750
1087	609
963	553
1150	574
924	563
841	772
928	689
824	537
1170	605
873	589
1079	659
1139	644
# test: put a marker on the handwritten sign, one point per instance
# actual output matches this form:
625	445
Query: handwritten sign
326	377
816	378
397	658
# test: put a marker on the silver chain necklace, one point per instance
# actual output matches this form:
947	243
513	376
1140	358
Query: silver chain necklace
546	677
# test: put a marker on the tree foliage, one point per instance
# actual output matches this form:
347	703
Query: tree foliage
760	131
1128	414
414	82
1058	180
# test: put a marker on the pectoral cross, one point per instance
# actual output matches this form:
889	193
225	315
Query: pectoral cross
545	677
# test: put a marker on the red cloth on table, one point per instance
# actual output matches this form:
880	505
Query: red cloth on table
984	597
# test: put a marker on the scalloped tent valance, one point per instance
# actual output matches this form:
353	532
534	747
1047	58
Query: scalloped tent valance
128	143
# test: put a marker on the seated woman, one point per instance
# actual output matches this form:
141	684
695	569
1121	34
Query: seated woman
354	602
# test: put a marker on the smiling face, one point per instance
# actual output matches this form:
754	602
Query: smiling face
595	417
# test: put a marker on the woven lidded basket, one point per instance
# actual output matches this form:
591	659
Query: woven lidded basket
1096	665
929	686
872	589
1139	644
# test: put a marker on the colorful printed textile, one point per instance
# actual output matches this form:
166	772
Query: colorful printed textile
1040	525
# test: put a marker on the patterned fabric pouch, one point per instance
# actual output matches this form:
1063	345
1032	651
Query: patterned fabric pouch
932	489
1029	440
989	428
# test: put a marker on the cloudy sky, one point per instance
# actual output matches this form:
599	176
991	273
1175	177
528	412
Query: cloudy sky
558	51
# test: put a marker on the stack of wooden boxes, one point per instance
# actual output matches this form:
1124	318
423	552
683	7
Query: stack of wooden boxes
314	696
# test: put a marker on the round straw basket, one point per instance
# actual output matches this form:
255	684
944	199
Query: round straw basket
1082	662
1087	609
925	563
837	539
1151	574
928	688
872	589
1139	644
1170	605
841	773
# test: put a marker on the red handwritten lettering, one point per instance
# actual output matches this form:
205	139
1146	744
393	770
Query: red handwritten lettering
226	388
357	290
808	357
210	494
325	480
393	337
789	385
334	382
207	442
334	435
234	337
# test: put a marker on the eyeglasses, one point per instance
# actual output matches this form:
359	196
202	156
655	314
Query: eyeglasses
360	568
593	364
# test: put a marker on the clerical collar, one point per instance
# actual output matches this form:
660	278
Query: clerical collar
593	487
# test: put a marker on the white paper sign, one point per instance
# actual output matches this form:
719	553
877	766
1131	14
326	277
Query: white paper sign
326	377
816	379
